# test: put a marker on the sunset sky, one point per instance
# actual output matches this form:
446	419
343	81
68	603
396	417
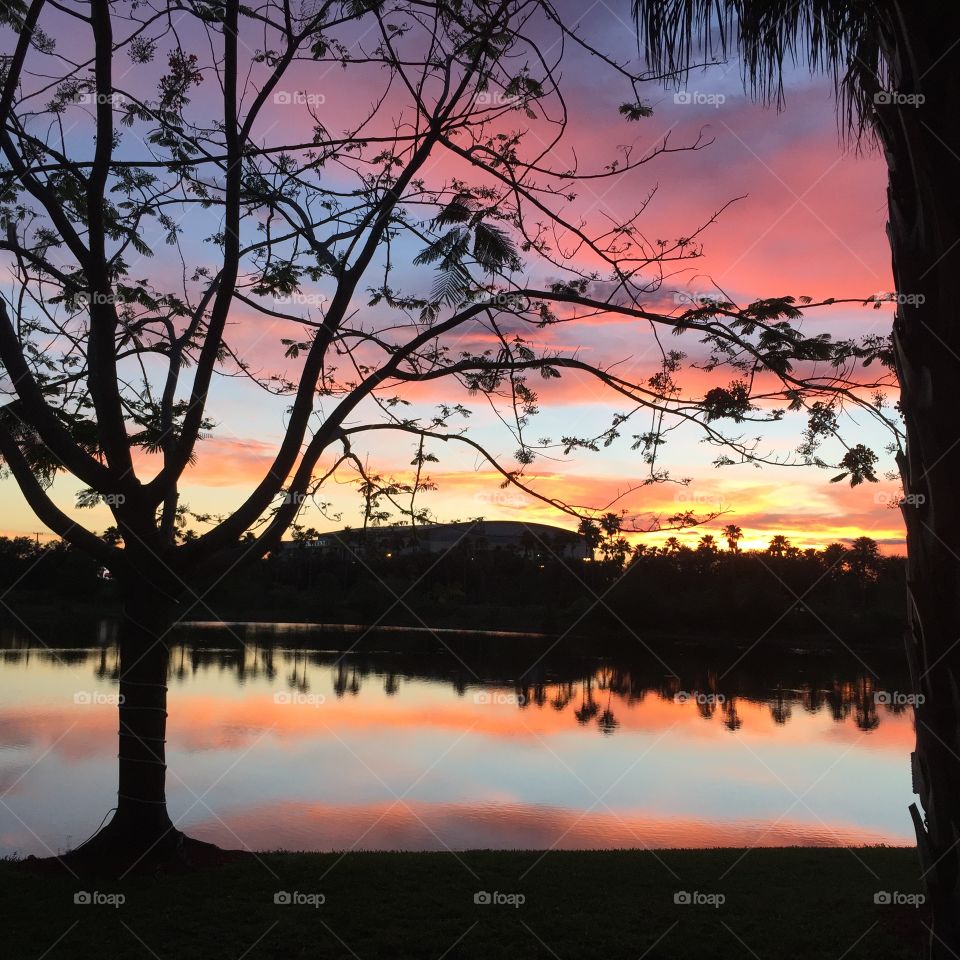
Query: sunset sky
810	221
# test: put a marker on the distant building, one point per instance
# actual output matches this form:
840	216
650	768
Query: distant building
533	540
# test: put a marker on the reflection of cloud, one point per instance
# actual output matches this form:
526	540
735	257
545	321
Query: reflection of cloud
424	826
202	723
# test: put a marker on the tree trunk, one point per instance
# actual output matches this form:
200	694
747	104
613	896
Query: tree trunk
141	830
922	143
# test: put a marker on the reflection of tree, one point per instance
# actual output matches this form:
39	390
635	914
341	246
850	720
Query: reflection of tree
865	704
731	719
588	706
552	685
297	678
781	708
607	721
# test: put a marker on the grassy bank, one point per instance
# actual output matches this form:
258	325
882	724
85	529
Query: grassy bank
810	903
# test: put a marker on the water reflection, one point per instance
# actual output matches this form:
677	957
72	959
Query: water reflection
591	690
278	740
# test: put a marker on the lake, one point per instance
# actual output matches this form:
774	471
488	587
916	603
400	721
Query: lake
283	737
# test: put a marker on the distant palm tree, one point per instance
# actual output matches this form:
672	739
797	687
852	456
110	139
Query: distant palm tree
863	558
833	557
733	535
672	545
779	545
707	544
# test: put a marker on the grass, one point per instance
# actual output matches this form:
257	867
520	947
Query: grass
794	903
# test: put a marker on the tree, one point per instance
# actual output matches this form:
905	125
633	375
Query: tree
863	558
896	68
387	268
779	545
733	535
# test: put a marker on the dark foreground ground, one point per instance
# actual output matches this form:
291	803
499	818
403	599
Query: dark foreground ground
784	903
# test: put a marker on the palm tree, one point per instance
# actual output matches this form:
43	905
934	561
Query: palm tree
864	558
895	67
779	545
733	535
671	545
833	557
707	544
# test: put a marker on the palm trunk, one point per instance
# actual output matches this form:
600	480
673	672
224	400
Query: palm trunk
923	146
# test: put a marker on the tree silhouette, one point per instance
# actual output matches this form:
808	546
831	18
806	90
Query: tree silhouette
146	250
733	535
896	69
707	543
779	546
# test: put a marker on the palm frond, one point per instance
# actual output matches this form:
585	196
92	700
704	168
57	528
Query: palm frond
492	247
834	37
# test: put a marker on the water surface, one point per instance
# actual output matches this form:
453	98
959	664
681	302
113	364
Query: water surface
278	740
